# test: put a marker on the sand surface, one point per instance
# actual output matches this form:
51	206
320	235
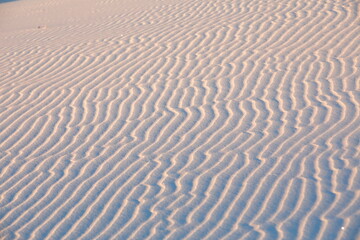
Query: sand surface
187	119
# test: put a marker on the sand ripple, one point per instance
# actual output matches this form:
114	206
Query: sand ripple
183	120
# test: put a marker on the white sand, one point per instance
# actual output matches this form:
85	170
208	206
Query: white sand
187	119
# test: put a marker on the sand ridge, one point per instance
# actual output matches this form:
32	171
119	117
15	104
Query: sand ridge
179	119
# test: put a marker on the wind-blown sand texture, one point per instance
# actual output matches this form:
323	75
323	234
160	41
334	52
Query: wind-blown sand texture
187	119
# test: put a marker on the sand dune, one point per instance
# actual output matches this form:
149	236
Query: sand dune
183	119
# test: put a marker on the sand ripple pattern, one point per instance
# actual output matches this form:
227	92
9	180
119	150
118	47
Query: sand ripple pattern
204	120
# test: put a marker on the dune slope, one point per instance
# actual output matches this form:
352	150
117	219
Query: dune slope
162	119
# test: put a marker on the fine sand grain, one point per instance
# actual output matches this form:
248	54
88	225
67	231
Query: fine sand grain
186	119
